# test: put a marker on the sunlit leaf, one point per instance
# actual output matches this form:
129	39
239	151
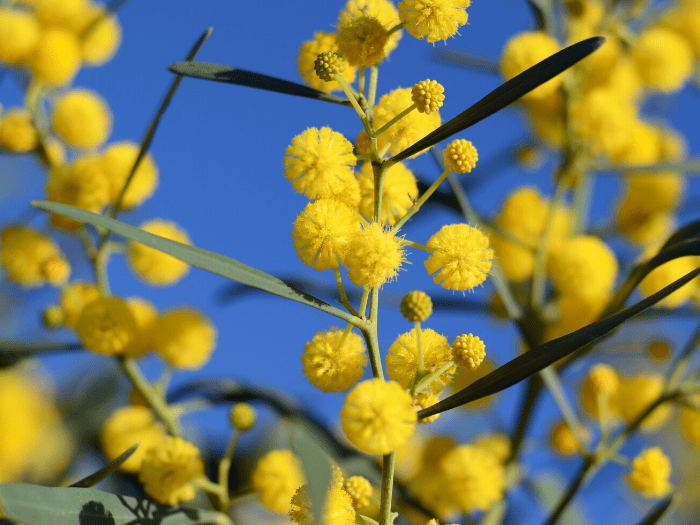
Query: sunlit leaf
111	467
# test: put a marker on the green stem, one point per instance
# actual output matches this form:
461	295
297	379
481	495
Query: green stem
551	380
343	296
425	381
388	465
414	209
416	245
395	119
351	96
224	468
379	171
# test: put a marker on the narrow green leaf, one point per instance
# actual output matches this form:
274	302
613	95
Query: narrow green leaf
198	257
542	9
21	347
241	77
690	166
464	59
317	468
544	355
39	505
657	512
507	93
94	478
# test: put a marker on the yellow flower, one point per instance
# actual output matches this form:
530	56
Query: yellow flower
20	35
373	256
399	191
145	314
635	394
428	96
153	266
31	259
416	306
242	416
476	478
333	362
323	232
59	12
56	59
106	326
17	133
424	400
360	490
402	358
276	477
468	351
361	41
82	118
126	427
337	509
74	297
496	443
523	51
563	440
168	468
690	424
460	156
185	338
378	416
383	10
328	64
460	255
651	470
117	161
664	275
102	42
663	58
321	43
319	163
433	19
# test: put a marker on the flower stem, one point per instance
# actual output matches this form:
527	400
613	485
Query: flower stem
224	467
343	296
395	119
413	209
388	465
351	96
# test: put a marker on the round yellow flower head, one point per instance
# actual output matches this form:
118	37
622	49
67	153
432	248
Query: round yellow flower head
31	259
319	163
373	256
306	62
328	64
563	440
523	51
461	257
146	315
643	144
323	232
603	379
468	351
81	184
117	161
74	297
20	35
476	478
428	96
651	470
17	133
635	394
126	427
664	59
168	468
399	191
82	118
686	22
424	400
460	156
242	416
338	509
106	326
52	316
407	131
642	227
585	12
378	416
382	10
103	39
584	267
433	19
416	306
659	350
333	362
497	444
184	338
56	59
361	41
360	490
276	477
402	358
54	153
153	266
690	424
664	275
59	12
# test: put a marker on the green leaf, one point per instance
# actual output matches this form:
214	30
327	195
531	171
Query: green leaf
317	468
21	347
464	59
542	9
204	259
657	512
544	355
109	468
241	77
690	166
38	505
506	94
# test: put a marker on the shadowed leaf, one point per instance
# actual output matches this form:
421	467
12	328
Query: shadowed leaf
94	478
657	512
316	466
241	77
507	93
20	347
462	58
542	11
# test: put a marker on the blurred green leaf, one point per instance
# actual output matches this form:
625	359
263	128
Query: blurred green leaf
464	59
204	259
38	505
241	77
94	478
657	512
506	94
690	166
317	468
22	347
542	9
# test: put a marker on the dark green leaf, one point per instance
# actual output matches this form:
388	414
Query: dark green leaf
38	505
542	10
544	355
21	347
94	478
462	58
241	77
204	259
506	94
657	512
317	468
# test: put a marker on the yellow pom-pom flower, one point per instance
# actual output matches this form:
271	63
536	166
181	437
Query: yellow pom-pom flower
17	133
57	57
20	35
146	315
328	64
460	156
334	362
360	490
242	416
168	468
126	427
74	297
603	379
402	358
523	51
664	275
383	10
82	118
650	474
663	58
184	338
634	395
63	13
461	257
428	96
399	191
373	256
308	53
361	41
153	266
689	422
319	163
468	351
323	232
497	444
378	416
276	477
117	161
416	306
30	259
337	508
424	400
475	477
100	44
106	326
433	19
563	440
